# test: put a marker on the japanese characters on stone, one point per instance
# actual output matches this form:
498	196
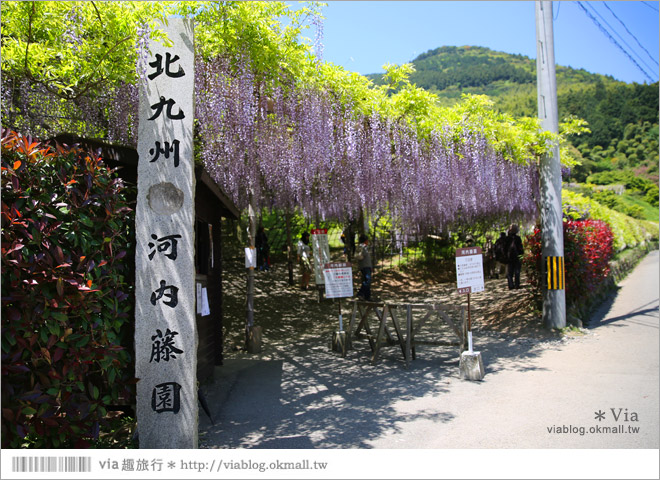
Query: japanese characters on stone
166	330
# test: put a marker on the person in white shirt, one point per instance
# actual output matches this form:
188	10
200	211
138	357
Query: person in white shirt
304	260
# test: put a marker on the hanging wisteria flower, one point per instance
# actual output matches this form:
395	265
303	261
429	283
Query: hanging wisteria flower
293	146
317	21
142	49
73	22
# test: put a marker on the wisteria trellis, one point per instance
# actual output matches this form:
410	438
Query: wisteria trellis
289	146
311	152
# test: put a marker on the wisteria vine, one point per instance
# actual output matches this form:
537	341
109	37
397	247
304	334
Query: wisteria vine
294	147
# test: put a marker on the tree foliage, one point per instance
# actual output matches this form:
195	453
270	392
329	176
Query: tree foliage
628	232
74	49
622	118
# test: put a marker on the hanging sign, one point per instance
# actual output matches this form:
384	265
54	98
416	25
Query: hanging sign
165	287
469	270
338	278
321	253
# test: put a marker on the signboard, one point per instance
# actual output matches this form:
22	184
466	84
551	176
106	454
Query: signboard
321	253
469	270
250	257
165	287
338	280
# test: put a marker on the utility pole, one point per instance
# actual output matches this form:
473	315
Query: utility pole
552	230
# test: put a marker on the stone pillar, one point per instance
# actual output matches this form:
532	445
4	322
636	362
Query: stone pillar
165	326
471	366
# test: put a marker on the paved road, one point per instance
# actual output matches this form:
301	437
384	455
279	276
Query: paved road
531	404
535	394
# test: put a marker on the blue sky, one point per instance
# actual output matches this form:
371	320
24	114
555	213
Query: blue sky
364	35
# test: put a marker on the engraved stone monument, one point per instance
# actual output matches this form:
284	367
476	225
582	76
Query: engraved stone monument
165	328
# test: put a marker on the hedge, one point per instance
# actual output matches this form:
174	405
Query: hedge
65	294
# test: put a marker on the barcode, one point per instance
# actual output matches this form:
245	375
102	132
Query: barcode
51	464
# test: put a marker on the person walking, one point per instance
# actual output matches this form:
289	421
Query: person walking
489	257
364	265
514	256
501	258
263	249
304	260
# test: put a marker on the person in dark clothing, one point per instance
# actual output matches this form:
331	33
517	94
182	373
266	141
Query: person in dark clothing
364	258
514	252
501	259
489	257
348	239
263	249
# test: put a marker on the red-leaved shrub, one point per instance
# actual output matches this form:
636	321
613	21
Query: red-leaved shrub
588	249
65	294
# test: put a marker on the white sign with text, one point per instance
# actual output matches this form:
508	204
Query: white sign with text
469	270
338	280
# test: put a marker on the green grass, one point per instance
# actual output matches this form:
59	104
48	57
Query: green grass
650	212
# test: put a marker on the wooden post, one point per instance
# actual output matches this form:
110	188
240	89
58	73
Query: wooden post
252	333
289	247
469	325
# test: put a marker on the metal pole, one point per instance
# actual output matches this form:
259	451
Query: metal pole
469	326
552	232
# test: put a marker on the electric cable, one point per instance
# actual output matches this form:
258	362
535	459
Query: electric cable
611	29
602	29
650	6
630	33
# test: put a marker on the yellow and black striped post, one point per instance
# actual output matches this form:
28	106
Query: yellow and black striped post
555	273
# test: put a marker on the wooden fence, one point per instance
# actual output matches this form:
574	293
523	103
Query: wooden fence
407	324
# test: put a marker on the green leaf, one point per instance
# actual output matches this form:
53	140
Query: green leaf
54	329
85	220
28	411
62	317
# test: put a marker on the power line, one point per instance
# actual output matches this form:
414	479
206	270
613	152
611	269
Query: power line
630	33
650	6
611	29
602	29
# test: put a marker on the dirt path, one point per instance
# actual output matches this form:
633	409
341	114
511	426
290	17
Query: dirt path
540	390
551	400
286	312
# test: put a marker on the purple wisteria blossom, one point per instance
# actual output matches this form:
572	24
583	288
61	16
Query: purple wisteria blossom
292	147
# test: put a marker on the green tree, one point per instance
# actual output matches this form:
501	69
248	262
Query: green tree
75	48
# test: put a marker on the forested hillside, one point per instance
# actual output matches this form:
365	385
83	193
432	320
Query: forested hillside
623	118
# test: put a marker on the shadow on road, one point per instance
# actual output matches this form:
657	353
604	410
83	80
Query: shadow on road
298	393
